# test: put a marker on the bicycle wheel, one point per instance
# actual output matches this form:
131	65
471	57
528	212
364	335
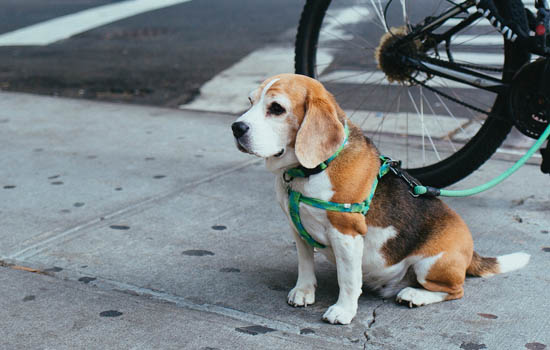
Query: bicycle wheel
442	130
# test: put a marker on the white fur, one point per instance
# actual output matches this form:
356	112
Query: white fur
348	253
511	262
422	268
315	220
387	280
419	297
264	135
303	293
267	135
267	86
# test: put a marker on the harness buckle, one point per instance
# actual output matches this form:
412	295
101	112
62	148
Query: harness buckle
287	178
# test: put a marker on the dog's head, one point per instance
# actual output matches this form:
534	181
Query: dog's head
290	114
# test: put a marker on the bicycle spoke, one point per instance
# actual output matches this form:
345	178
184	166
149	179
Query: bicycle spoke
379	14
450	113
425	132
345	77
438	121
355	34
349	42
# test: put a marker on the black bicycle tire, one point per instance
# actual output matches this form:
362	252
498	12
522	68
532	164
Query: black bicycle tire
479	148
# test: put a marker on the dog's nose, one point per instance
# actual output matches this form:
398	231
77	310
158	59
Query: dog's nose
239	129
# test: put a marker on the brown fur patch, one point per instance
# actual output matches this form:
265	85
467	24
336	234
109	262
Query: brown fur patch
482	266
352	174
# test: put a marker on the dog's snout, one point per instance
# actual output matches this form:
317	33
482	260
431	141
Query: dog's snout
239	129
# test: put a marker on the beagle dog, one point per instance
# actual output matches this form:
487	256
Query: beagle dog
416	249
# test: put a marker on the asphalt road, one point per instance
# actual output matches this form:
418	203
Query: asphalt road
159	57
206	55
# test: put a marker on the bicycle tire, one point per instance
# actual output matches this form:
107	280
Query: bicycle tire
487	139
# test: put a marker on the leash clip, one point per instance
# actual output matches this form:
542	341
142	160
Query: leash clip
395	167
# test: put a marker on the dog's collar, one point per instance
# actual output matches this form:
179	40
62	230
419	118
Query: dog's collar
301	171
294	199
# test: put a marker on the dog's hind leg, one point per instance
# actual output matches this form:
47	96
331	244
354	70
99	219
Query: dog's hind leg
442	277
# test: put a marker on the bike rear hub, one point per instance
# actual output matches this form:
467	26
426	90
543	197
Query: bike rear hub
390	52
530	98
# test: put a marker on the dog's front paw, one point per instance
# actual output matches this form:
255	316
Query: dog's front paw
419	297
337	314
301	296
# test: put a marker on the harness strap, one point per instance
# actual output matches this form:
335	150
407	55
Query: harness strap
295	198
294	209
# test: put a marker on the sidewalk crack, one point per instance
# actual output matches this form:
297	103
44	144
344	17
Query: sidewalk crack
370	324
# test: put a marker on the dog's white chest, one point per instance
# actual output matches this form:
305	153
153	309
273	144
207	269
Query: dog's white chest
315	220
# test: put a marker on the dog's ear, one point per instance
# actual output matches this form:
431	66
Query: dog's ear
321	133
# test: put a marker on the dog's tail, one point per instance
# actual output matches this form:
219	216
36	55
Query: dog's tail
485	267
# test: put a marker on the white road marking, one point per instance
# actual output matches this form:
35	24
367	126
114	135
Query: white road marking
227	91
333	26
64	27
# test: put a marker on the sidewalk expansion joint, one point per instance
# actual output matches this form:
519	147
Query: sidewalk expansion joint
54	236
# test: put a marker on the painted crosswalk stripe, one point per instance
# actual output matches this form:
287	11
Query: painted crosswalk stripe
227	91
224	93
64	27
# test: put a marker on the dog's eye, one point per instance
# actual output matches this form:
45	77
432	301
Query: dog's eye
276	109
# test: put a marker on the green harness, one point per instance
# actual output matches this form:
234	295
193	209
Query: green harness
295	198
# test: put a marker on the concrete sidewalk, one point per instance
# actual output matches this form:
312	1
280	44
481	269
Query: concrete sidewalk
133	227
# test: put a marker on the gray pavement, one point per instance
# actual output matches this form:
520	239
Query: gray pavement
134	227
159	57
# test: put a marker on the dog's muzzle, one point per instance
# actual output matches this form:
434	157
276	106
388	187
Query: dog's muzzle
239	129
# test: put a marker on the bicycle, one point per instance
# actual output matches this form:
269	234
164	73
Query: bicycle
451	78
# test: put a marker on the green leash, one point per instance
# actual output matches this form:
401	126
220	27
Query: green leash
420	190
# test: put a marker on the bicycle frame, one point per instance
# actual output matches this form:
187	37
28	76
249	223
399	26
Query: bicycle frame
449	70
